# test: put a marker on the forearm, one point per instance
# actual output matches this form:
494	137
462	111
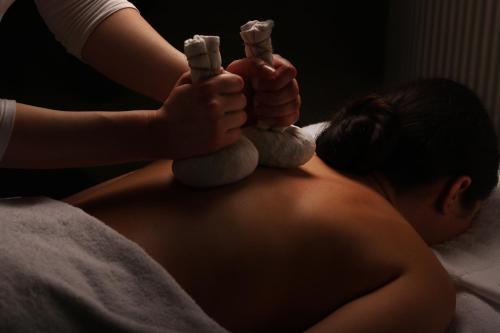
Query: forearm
125	48
43	138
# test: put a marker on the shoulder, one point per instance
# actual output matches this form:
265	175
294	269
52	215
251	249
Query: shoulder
368	229
386	264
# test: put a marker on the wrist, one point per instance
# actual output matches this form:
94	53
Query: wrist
158	134
148	142
132	137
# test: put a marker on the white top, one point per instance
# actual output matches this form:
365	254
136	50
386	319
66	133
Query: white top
4	5
7	115
71	22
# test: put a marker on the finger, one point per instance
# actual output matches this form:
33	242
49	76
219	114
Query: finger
278	110
263	69
232	136
234	119
279	61
283	76
251	68
230	102
225	83
285	95
239	67
185	78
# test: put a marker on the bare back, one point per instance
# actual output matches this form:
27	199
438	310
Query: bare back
279	251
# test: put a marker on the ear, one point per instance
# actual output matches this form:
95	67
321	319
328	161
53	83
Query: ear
451	198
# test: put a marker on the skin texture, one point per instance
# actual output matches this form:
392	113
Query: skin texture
435	210
283	250
147	62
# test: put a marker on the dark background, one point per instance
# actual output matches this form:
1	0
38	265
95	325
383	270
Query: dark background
338	49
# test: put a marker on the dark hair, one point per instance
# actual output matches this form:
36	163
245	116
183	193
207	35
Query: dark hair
415	134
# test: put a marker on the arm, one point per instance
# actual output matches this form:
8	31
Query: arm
44	138
150	65
420	300
195	119
128	50
112	37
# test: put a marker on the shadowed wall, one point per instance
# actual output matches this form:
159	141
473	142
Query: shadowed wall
456	39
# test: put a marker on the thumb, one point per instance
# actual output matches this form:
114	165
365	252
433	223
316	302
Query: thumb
249	68
184	79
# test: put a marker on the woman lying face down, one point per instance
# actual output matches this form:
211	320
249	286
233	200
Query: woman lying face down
428	147
337	245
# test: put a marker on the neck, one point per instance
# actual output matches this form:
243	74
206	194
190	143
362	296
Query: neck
379	184
415	208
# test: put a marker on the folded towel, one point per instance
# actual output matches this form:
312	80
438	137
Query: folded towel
473	261
474	314
473	258
64	271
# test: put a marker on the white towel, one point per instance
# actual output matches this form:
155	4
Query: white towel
474	314
62	270
473	261
473	258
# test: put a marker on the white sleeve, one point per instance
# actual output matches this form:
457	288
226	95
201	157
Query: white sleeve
7	116
72	21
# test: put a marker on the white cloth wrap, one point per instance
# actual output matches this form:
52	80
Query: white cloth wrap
203	56
257	38
231	163
287	149
226	166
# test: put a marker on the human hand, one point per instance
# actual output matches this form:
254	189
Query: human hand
272	93
199	118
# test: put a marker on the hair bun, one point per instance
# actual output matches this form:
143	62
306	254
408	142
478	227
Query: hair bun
361	136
